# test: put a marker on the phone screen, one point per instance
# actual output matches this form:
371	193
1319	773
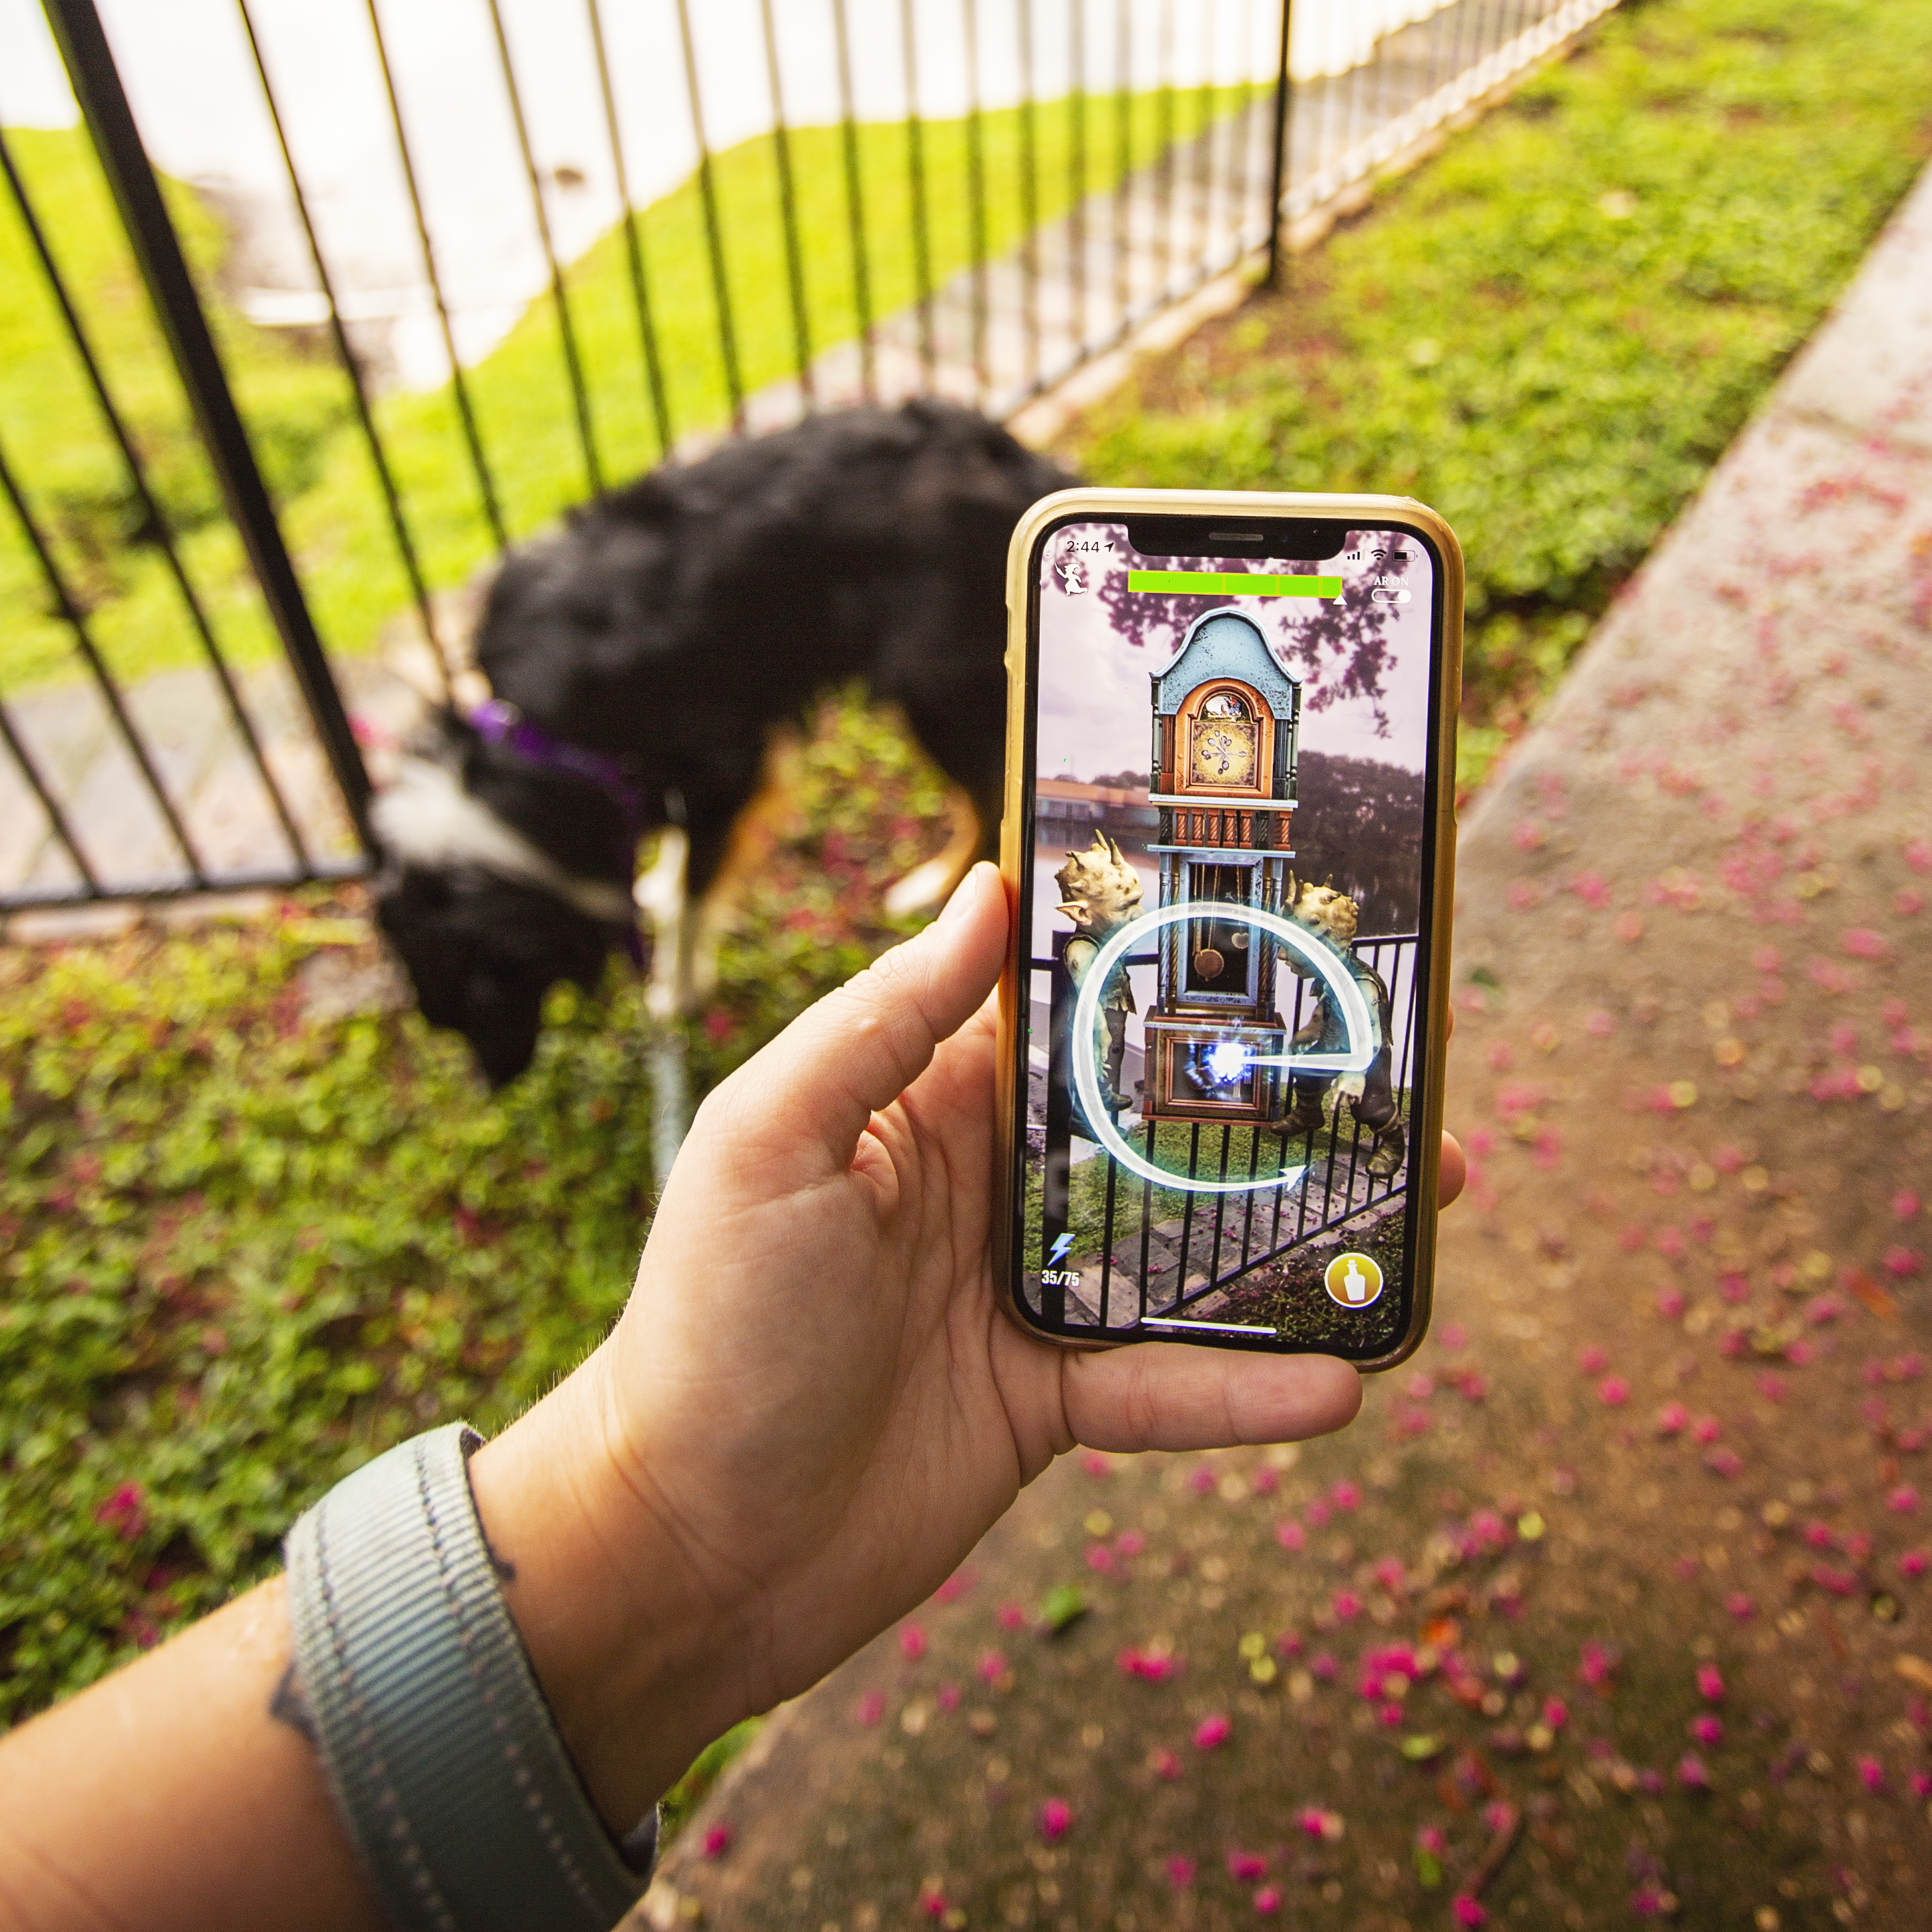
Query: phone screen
1231	772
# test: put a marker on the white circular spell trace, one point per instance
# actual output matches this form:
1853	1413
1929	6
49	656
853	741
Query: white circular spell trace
1358	1021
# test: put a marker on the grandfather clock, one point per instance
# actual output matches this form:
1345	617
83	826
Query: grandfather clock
1225	721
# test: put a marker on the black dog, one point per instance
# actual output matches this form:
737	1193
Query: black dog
641	659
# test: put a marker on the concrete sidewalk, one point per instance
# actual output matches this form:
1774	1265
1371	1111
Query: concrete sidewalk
1617	1601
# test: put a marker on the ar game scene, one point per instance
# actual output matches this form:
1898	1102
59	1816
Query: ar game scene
1226	900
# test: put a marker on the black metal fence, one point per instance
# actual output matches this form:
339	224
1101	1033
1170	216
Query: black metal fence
1162	1252
1009	189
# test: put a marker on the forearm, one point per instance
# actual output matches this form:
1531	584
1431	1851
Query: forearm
172	1795
183	1791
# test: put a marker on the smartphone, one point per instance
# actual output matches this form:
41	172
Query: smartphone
1229	833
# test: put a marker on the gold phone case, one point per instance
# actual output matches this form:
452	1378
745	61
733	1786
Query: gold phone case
1401	513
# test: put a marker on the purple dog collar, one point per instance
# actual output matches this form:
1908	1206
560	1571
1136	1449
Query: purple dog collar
499	722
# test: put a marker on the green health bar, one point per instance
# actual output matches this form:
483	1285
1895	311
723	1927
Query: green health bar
1233	584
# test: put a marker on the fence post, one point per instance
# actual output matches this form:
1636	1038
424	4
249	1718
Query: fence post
1284	85
77	30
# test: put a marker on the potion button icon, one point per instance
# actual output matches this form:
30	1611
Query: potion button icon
1353	1279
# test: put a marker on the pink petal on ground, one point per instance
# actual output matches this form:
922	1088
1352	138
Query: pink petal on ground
1467	1911
1211	1731
1247	1868
1902	1500
991	1666
717	1841
1593	1360
1613	1391
1056	1816
1871	1774
1707	1729
912	1642
1290	1535
1180	1872
1267	1900
871	1707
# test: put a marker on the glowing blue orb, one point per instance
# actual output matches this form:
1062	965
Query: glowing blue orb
1227	1060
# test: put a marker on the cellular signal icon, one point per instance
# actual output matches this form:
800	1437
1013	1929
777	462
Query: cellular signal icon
1351	556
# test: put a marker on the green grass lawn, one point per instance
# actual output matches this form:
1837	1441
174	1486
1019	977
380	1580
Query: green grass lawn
1551	331
298	407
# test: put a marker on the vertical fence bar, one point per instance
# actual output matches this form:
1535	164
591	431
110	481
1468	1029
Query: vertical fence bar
1123	163
1204	149
1164	137
69	608
714	236
155	518
1147	1218
634	250
573	362
1076	172
1246	191
976	200
1029	201
801	323
406	549
110	122
486	484
56	819
922	238
1280	181
1107	1242
855	207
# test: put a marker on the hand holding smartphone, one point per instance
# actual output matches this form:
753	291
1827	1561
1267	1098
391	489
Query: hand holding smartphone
1229	829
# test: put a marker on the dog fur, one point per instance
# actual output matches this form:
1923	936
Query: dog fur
680	627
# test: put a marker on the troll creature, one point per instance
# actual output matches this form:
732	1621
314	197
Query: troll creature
1332	915
1100	893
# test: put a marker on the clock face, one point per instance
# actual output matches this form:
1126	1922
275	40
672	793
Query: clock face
1224	743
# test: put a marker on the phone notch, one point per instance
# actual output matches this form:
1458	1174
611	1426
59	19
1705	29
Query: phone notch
1296	539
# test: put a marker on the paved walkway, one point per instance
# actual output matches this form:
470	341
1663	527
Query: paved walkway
1616	1602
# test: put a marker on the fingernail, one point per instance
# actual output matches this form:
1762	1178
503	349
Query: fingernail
964	895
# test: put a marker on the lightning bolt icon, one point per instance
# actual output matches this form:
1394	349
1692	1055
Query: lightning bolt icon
1060	1248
